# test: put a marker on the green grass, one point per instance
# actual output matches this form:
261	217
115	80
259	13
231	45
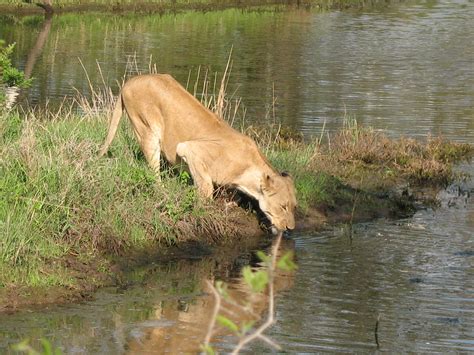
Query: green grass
312	186
58	199
147	6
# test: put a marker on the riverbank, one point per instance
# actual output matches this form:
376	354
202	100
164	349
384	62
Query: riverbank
154	6
69	220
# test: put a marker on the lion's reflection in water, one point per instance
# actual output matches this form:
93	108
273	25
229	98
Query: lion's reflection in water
180	325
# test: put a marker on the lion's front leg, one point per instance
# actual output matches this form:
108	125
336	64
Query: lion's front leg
192	152
151	148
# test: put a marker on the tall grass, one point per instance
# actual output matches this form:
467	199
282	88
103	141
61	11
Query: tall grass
58	199
363	149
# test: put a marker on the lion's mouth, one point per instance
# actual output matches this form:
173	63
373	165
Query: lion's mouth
274	230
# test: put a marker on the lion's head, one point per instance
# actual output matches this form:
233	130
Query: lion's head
278	201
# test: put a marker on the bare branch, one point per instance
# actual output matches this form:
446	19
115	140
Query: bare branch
215	312
269	342
271	302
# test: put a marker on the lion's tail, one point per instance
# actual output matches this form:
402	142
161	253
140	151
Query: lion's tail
113	125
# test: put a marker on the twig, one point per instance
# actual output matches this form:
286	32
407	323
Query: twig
271	304
269	341
217	307
240	308
376	332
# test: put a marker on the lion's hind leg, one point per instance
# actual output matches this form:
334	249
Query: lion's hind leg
192	152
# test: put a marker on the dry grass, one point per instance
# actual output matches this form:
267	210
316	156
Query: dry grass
356	147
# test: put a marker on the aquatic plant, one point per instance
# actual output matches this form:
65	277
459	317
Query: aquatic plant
362	150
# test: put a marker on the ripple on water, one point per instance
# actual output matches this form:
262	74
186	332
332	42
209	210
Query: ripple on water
416	274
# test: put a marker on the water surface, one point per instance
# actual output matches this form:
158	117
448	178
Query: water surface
415	276
407	68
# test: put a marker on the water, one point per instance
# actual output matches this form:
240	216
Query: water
407	69
415	275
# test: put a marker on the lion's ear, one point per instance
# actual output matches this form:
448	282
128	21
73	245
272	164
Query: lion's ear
286	175
267	182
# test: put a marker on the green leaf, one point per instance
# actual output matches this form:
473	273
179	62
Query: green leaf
184	178
221	288
47	347
264	257
257	280
286	262
247	326
227	323
247	274
24	347
208	349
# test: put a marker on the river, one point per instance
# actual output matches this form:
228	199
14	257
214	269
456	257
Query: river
391	286
406	68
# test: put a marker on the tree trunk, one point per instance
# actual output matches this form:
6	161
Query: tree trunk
38	46
46	5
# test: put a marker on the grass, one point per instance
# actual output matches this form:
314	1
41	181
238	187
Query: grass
64	212
58	199
364	154
19	6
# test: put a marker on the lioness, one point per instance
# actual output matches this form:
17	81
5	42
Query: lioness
169	120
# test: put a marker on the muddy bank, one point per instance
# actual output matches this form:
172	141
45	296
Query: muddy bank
74	223
94	273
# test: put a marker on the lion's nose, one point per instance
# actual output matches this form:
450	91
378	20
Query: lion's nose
290	226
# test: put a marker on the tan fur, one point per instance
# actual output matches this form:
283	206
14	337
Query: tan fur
168	120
